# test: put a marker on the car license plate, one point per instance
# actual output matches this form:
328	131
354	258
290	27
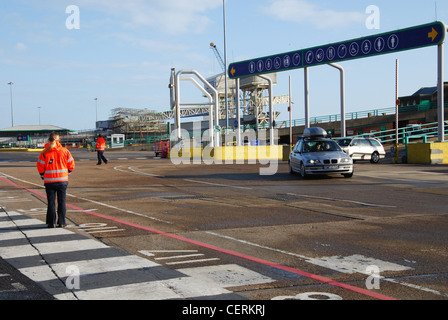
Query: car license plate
332	167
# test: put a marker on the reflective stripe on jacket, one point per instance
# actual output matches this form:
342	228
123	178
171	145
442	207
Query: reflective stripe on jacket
101	144
56	164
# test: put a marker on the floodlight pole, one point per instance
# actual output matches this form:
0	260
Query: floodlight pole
225	63
12	108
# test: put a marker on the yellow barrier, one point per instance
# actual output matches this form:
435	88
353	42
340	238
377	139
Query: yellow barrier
248	153
20	150
428	153
232	153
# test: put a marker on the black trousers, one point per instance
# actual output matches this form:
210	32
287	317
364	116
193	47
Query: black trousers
59	190
101	157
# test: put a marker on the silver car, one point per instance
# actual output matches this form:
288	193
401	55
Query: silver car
363	148
315	154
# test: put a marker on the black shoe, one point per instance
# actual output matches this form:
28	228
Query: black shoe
98	164
50	226
106	162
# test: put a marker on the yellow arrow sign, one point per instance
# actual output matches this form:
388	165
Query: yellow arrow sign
232	71
433	34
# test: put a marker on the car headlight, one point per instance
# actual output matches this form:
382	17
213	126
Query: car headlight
313	161
346	160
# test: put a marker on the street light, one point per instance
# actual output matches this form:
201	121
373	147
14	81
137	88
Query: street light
96	99
39	113
225	62
12	110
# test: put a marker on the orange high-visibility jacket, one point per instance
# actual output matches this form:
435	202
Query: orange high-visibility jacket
100	144
56	164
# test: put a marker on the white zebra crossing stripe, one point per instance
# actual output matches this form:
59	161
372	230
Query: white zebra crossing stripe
44	255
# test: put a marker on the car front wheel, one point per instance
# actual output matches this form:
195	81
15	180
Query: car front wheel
348	175
302	171
375	157
291	171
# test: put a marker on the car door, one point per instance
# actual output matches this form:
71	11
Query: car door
295	156
366	149
355	149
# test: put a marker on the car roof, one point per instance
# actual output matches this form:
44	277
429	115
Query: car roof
317	139
314	133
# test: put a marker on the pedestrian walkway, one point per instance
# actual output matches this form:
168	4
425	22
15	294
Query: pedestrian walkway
70	266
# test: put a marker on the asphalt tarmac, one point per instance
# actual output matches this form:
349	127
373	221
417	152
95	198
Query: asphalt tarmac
379	235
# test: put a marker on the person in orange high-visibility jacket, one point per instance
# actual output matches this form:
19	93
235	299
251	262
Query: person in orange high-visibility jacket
54	165
100	147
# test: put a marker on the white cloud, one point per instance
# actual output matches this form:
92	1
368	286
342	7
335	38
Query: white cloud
149	44
170	16
21	47
306	12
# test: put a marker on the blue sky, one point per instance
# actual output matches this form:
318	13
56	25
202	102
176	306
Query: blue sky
123	51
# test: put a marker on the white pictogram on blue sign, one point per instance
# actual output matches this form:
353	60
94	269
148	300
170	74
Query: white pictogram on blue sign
342	51
252	67
296	59
366	46
277	63
393	42
309	57
286	61
260	66
354	49
331	53
379	44
320	55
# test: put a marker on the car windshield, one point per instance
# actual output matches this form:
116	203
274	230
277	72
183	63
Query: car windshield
320	146
344	142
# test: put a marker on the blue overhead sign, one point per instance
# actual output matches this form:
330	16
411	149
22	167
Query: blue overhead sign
406	39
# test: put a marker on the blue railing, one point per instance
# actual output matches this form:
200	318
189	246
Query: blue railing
337	117
424	132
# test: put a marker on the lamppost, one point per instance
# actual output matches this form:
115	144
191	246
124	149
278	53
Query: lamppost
225	62
39	113
96	99
12	109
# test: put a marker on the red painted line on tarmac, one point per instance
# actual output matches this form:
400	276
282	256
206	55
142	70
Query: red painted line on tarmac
222	250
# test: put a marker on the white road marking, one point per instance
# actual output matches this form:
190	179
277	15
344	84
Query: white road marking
218	184
193	253
14	199
181	256
131	170
93	201
319	261
93	272
192	261
355	263
228	275
341	200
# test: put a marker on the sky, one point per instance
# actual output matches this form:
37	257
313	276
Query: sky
62	55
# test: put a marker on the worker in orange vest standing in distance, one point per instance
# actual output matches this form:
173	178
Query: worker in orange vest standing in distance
100	148
55	164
